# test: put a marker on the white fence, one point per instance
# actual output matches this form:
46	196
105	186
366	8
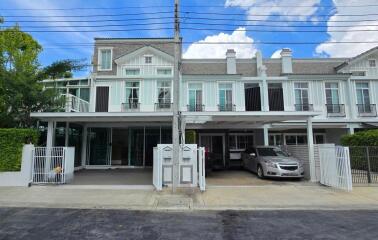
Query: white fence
335	170
53	165
191	166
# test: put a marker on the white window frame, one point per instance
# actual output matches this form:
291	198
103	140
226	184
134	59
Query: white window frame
145	59
368	88
131	68
239	135
164	68
233	91
275	139
99	57
157	90
338	90
139	88
308	92
203	95
302	134
375	63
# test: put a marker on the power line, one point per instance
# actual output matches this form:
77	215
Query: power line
281	15
89	15
86	21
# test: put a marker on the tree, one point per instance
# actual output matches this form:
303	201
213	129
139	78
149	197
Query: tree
62	69
20	89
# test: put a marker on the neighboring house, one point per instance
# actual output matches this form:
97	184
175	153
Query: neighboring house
123	109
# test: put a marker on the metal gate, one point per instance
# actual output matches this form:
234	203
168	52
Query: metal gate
53	165
364	164
201	169
335	170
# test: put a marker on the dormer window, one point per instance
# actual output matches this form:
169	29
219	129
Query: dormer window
105	59
147	59
372	63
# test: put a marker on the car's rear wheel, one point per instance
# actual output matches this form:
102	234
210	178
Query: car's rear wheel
260	172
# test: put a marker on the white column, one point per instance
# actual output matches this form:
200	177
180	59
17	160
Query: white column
351	130
84	146
310	142
66	134
50	134
265	95
266	135
351	106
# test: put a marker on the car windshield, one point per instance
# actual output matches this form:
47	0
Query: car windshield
271	152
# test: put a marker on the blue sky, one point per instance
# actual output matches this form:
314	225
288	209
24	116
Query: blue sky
308	13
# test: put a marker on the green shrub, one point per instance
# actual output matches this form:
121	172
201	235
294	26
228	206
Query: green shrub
190	137
11	142
364	138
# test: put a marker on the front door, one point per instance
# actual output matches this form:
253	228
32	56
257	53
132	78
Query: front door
99	146
214	146
102	99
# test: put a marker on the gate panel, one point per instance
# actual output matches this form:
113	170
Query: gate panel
201	169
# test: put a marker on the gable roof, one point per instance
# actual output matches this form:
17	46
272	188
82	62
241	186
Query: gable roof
359	56
140	51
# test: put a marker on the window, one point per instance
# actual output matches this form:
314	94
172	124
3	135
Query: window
240	141
132	95
275	140
132	71
147	59
225	97
195	97
164	94
372	63
332	97
358	73
363	98
164	71
301	97
105	59
276	100
296	139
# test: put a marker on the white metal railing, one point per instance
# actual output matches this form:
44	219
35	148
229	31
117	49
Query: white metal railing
201	169
76	104
335	170
53	165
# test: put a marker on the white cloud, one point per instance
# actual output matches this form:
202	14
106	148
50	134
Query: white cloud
349	50
276	54
219	50
276	7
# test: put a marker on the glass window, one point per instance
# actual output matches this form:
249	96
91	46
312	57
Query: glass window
105	59
363	96
319	139
332	93
132	94
164	92
195	96
301	96
164	71
148	59
372	63
225	97
240	141
275	139
132	71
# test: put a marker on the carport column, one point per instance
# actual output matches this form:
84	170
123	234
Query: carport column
310	142
49	145
66	134
266	135
84	146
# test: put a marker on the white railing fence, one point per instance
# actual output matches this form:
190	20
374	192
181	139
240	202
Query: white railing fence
157	178
201	169
53	165
76	104
335	170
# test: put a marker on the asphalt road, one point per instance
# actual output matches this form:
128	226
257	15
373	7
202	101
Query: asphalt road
27	223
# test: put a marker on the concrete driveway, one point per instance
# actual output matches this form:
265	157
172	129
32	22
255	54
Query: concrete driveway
39	224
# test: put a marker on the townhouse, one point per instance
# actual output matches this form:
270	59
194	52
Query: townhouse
122	110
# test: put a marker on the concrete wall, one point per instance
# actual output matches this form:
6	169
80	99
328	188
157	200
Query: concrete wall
23	177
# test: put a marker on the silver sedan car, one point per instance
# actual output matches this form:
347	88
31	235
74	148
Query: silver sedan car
272	162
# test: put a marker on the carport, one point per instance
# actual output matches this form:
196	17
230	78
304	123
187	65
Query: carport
247	121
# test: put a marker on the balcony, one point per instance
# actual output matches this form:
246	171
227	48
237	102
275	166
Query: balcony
229	107
335	110
75	104
163	107
130	107
367	110
304	107
196	108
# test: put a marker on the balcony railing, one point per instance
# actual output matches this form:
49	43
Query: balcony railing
75	104
335	110
163	107
131	107
196	108
304	107
227	107
367	110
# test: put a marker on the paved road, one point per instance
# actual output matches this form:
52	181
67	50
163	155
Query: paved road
28	223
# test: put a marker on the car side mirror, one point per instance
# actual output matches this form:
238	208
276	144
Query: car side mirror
252	154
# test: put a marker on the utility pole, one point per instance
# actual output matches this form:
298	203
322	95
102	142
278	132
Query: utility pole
176	99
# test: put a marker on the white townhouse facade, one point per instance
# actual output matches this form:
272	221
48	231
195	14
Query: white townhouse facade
124	108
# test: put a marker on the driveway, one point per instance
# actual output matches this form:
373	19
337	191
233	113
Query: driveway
34	223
